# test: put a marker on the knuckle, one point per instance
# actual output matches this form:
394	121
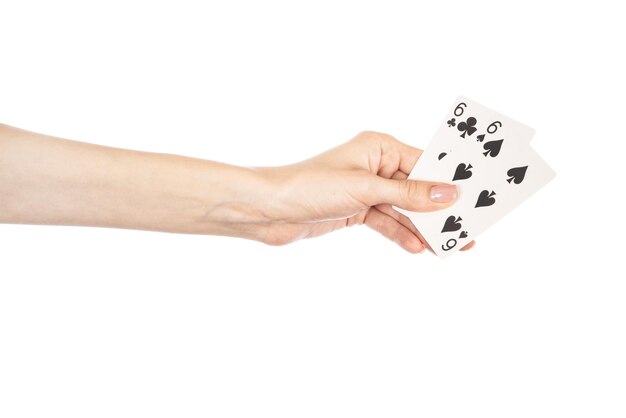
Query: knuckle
363	136
374	136
277	236
413	194
410	189
385	138
276	241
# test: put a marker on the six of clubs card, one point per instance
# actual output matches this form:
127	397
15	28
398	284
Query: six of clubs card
488	157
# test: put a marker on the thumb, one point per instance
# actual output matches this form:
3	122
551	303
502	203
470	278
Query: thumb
414	195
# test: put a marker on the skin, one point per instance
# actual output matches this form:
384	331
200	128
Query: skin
54	181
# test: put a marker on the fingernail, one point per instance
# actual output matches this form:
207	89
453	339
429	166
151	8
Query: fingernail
443	194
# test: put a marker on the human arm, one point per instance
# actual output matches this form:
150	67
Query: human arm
48	180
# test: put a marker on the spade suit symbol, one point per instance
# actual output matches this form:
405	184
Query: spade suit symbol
485	198
516	174
462	172
452	224
492	148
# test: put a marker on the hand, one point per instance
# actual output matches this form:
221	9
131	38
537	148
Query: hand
353	184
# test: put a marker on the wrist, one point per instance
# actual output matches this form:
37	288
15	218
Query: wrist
239	201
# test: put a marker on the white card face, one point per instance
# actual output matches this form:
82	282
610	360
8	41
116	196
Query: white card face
488	157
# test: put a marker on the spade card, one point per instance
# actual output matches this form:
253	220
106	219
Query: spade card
488	157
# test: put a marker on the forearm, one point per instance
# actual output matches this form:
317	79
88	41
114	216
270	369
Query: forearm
46	180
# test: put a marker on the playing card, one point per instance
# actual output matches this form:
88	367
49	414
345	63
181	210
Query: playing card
488	157
472	132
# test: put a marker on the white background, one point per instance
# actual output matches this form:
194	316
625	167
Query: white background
102	323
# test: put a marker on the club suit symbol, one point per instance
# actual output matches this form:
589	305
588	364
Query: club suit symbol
468	127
